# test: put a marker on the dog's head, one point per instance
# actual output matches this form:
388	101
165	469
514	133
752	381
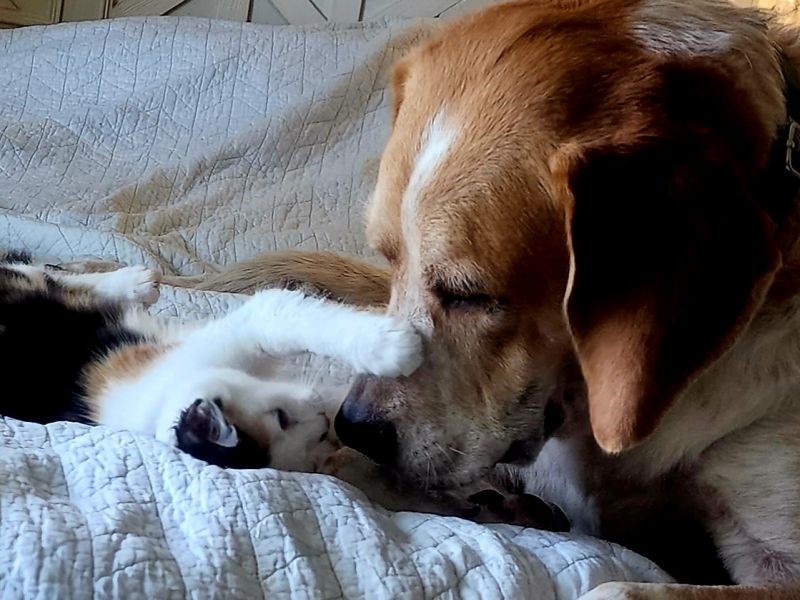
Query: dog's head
567	183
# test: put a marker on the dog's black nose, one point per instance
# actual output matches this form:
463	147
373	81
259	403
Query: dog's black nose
359	427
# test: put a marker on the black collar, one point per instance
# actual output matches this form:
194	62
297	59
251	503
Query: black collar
782	173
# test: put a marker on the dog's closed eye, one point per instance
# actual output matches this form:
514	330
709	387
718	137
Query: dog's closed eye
451	299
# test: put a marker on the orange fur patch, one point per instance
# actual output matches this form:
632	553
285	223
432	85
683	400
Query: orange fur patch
126	363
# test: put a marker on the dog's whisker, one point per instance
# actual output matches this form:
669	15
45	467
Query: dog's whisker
435	472
438	446
444	452
456	451
428	469
427	475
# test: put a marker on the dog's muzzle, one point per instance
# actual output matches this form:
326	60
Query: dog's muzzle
358	426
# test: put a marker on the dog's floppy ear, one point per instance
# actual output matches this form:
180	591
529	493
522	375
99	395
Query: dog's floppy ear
668	264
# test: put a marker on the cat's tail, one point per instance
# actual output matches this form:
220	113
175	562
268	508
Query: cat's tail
343	278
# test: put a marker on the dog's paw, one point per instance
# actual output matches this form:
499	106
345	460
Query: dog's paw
137	285
391	349
527	510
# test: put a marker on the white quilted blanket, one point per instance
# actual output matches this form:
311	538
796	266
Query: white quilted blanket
188	144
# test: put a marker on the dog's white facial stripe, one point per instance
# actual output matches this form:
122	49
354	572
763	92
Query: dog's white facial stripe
436	141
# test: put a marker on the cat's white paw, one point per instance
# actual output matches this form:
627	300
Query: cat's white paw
391	349
137	284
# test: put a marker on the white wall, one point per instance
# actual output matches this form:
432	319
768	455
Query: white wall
264	11
261	11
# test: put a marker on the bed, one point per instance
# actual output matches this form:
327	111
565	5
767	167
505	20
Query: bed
188	144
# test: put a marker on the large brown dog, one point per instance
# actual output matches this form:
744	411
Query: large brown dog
595	193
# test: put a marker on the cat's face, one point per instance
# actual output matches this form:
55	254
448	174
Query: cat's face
238	421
